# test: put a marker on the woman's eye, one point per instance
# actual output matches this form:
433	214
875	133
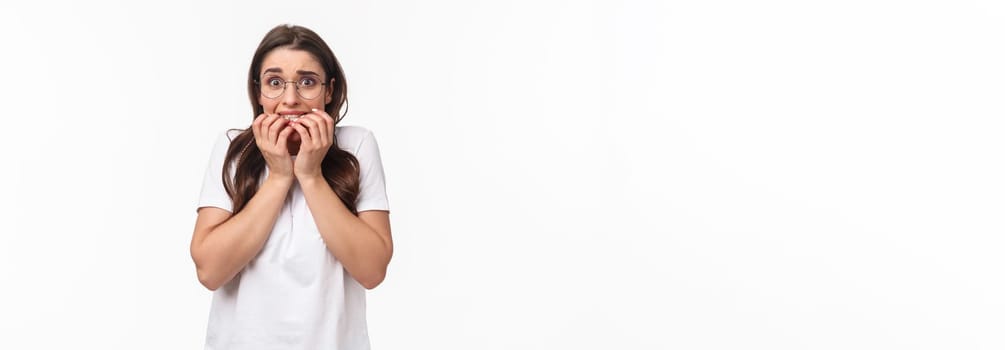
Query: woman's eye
307	82
274	82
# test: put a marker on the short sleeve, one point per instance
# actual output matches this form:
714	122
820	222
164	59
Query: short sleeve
213	193
372	192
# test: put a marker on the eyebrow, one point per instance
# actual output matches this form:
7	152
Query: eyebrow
280	70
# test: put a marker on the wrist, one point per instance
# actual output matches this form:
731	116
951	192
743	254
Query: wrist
279	179
307	181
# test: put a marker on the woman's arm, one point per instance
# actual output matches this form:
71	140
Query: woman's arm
362	244
223	244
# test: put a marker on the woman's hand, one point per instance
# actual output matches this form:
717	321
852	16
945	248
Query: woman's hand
271	134
317	134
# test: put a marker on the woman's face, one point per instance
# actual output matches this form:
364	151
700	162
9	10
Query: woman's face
287	65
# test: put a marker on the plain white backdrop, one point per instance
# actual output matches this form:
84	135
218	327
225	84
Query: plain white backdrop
562	174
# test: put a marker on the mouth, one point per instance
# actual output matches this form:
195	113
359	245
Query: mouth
292	117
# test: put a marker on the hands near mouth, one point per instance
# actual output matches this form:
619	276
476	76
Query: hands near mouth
317	134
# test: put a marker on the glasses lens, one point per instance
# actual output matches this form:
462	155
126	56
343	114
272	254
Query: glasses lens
272	89
310	91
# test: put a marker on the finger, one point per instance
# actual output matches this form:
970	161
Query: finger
285	135
311	122
330	121
263	130
321	127
256	126
326	126
262	139
266	121
275	128
304	122
304	134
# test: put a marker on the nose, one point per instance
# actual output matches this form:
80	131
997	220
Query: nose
290	96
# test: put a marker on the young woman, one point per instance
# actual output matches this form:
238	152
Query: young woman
293	221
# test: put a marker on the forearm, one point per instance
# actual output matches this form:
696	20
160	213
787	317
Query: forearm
363	252
227	248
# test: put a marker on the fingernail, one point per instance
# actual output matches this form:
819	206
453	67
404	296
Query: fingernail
314	109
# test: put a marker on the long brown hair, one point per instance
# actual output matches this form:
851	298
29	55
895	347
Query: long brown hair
339	168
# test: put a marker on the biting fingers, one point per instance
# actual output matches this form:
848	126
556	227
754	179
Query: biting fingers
324	126
311	127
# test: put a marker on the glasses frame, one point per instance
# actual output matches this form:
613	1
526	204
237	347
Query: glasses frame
261	91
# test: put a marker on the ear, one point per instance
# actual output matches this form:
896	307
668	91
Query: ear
331	91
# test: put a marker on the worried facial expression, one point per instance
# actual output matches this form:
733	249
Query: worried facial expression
292	83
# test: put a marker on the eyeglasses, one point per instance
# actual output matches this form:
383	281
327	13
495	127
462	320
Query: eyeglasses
273	87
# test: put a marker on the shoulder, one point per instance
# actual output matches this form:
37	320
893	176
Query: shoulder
352	132
223	141
225	137
230	134
351	137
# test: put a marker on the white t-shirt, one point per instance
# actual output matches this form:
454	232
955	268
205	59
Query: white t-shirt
294	294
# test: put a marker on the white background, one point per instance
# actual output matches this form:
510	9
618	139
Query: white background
562	174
